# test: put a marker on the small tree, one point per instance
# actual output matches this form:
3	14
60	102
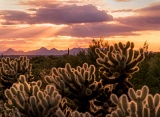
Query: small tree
91	55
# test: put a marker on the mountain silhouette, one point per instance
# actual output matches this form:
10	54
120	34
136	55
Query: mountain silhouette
43	51
11	51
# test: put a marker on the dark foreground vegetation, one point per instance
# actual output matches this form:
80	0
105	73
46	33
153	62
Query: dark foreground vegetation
105	81
148	74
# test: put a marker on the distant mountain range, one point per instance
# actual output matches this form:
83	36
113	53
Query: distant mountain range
42	51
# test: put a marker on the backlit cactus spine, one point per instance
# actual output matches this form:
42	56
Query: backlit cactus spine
77	114
14	112
118	65
10	70
31	100
103	102
139	96
153	105
77	85
141	104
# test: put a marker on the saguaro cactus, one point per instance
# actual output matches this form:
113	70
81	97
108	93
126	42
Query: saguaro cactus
142	104
31	100
77	85
118	65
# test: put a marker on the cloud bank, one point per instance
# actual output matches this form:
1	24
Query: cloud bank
58	15
78	21
147	18
82	21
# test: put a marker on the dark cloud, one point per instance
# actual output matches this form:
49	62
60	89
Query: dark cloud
122	10
71	14
147	18
154	7
32	9
124	26
93	30
59	15
152	10
142	22
14	17
96	30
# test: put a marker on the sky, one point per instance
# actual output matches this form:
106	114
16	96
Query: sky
31	24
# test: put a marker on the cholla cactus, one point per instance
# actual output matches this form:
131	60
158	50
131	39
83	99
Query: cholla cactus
31	100
118	65
103	102
73	114
77	114
10	70
14	112
142	104
77	85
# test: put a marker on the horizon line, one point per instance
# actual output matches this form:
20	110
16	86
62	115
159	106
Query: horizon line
45	48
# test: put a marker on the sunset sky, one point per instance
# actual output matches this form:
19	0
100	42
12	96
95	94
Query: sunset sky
31	24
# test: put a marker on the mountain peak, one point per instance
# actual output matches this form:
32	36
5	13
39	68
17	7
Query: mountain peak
42	48
10	49
53	49
42	51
